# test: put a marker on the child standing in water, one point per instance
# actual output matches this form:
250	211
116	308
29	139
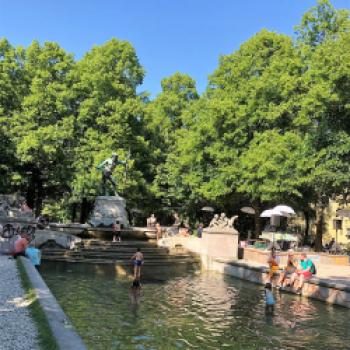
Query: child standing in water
269	298
138	261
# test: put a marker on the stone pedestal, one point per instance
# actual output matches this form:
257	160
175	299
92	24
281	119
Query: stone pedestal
108	210
218	243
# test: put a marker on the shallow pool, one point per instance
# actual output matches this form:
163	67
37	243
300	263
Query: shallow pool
185	309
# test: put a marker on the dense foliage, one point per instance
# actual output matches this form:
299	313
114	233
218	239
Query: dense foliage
273	125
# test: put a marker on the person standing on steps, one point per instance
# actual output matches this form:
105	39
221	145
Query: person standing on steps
138	260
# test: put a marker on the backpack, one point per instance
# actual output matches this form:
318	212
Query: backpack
313	268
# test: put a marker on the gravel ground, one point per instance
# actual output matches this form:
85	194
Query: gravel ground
17	329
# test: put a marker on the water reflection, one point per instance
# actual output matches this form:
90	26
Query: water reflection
182	309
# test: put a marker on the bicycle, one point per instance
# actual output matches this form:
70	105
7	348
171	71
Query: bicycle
10	231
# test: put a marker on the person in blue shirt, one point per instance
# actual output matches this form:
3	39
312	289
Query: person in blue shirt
34	255
305	272
269	299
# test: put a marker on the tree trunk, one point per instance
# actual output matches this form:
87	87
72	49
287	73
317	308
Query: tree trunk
257	219
35	192
74	212
83	210
39	195
307	225
319	229
30	195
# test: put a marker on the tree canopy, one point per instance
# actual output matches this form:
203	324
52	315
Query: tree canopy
273	124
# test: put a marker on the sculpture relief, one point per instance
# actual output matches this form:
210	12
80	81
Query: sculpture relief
222	222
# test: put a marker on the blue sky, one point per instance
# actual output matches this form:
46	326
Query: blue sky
169	36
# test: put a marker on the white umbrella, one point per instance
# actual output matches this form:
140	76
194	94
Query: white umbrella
210	209
272	214
284	209
268	213
248	210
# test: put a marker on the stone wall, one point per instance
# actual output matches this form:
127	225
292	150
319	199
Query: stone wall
211	245
261	256
316	288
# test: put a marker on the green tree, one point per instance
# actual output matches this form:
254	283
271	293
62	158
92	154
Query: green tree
42	128
324	45
109	119
12	90
166	122
322	22
255	89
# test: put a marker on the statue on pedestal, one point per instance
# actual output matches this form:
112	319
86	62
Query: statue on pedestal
177	221
223	220
106	168
214	221
222	223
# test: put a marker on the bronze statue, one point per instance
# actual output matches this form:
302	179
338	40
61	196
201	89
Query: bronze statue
106	168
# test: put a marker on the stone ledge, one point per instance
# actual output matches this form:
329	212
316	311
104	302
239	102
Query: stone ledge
61	327
222	232
324	282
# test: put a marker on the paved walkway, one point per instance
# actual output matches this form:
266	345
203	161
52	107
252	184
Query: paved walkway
18	330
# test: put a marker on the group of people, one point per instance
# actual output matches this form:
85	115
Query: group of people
295	270
175	229
21	248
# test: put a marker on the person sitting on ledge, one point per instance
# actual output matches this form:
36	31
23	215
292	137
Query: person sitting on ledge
307	269
25	208
159	231
289	269
20	245
183	232
273	262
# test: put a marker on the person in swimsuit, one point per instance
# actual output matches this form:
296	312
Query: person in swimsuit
138	261
289	269
273	262
269	299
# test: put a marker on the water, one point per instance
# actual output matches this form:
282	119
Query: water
184	309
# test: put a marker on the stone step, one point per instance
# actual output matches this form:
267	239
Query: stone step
121	250
119	244
123	262
111	253
126	250
97	251
119	257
